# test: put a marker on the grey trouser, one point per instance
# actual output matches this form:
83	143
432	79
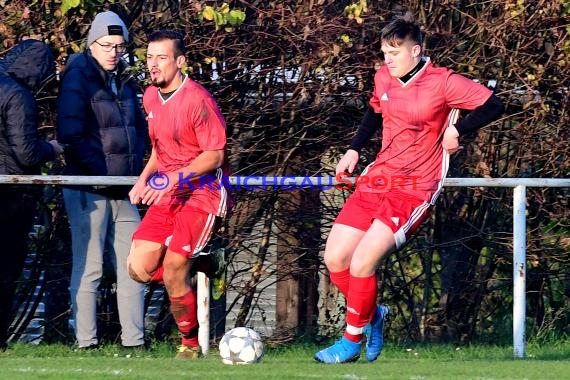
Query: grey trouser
98	225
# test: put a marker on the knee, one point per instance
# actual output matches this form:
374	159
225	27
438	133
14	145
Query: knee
176	269
362	267
335	262
138	274
330	262
143	260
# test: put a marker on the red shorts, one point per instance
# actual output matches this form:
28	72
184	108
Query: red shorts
402	212
183	229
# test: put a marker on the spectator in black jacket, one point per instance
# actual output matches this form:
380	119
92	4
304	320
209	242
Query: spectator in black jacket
101	124
22	72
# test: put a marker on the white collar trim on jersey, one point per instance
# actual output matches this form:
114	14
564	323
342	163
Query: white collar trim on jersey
175	91
420	71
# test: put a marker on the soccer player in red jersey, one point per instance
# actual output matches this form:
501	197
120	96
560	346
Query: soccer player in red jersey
416	106
188	135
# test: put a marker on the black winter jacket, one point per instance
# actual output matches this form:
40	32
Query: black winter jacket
22	71
103	133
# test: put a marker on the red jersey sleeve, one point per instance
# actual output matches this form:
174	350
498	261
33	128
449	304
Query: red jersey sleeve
149	98
463	93
379	90
209	125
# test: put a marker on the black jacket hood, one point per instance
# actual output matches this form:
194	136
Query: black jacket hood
29	63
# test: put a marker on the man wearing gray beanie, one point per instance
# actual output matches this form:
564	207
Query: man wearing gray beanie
104	130
107	24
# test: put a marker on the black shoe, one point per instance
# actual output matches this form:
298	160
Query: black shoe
91	347
134	348
134	351
144	346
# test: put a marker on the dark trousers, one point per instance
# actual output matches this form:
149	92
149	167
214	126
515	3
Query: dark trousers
17	209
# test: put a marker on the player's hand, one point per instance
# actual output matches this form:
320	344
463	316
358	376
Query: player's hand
137	190
348	162
157	186
450	140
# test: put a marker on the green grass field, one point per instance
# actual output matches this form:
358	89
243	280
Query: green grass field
295	362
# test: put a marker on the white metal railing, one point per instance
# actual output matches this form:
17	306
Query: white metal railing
519	186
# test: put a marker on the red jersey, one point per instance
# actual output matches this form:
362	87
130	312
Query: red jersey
181	127
415	115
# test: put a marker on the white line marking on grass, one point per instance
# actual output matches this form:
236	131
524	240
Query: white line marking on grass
349	376
113	372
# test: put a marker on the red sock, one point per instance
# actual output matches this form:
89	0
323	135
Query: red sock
158	275
341	280
360	304
184	311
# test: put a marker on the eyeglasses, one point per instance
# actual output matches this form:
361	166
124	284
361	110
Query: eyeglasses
119	48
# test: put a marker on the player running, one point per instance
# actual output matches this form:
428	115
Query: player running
188	135
417	106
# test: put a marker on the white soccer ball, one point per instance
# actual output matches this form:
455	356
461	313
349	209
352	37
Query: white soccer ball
241	345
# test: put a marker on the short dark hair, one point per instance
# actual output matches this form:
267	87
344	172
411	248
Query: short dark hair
402	28
168	34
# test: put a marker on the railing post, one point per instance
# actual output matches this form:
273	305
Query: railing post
203	296
519	270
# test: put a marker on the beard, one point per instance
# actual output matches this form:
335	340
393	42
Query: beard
160	83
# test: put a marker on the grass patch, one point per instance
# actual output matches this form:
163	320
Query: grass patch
295	362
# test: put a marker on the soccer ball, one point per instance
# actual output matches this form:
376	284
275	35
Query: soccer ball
241	345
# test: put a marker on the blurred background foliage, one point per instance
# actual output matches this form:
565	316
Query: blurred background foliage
293	79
